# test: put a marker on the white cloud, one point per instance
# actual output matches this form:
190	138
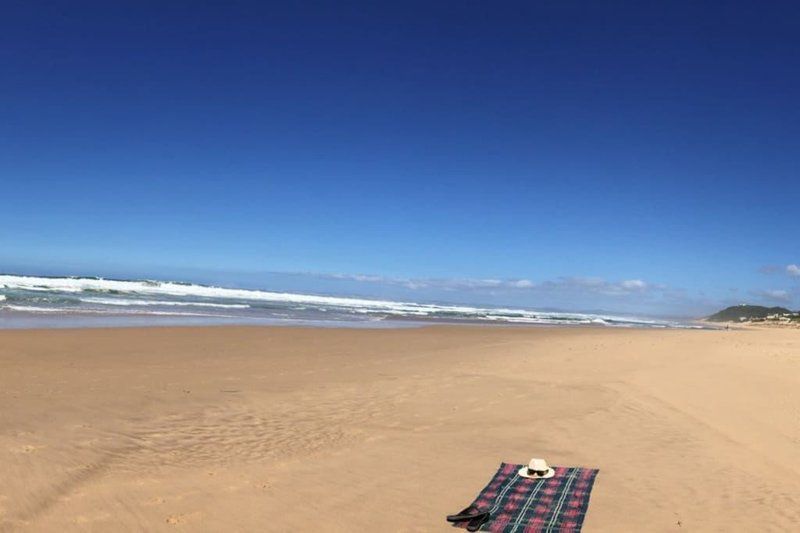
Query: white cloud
776	295
356	277
634	284
565	285
450	284
599	286
793	270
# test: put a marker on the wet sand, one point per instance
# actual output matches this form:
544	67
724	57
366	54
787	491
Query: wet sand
284	429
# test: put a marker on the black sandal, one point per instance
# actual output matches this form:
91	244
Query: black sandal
468	514
476	523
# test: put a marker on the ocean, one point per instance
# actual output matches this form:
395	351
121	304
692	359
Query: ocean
37	301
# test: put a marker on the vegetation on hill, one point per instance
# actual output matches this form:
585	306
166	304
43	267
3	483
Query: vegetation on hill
737	313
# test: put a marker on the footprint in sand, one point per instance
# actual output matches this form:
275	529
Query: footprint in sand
27	448
177	519
99	516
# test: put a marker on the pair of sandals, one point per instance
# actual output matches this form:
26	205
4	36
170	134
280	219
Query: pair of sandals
473	516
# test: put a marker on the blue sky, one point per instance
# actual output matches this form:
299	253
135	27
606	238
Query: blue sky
628	156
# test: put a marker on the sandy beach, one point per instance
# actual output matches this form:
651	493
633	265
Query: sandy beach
291	429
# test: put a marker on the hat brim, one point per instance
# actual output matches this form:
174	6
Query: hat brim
523	472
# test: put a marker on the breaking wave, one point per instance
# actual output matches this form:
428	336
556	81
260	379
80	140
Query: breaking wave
83	295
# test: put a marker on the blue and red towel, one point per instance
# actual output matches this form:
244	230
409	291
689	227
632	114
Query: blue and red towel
521	505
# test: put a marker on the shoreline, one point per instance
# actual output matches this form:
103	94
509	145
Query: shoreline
242	428
77	321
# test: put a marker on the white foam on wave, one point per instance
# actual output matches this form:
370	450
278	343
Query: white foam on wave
142	303
61	310
167	288
156	289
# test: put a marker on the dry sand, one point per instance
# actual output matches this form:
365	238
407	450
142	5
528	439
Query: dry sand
270	429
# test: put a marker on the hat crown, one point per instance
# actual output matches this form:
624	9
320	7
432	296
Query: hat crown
538	465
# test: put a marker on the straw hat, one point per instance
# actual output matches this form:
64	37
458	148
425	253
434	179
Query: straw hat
537	469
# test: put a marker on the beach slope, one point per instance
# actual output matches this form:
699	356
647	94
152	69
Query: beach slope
292	429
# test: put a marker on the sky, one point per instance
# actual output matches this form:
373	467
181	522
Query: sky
628	156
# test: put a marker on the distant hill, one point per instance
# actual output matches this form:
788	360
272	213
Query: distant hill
736	313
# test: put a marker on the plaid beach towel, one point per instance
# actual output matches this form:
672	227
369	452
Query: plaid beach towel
522	505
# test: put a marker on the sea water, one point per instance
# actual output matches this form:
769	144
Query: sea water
37	301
